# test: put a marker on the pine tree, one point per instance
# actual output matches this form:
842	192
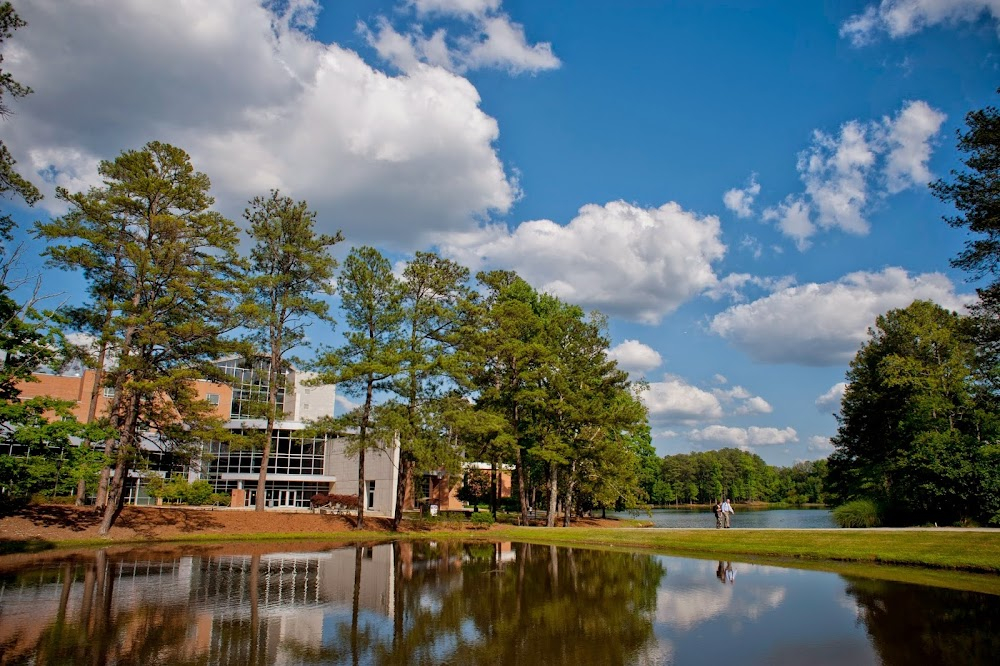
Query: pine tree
371	355
290	266
162	263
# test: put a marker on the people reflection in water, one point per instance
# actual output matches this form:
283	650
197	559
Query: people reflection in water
725	572
730	572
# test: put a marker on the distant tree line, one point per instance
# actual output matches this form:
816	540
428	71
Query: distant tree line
708	476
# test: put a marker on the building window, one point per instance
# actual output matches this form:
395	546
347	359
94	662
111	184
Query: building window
371	494
109	391
212	398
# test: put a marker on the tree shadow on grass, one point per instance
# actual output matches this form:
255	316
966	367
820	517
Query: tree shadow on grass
150	523
73	518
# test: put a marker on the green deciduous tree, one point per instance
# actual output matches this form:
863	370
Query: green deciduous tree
508	366
167	262
911	434
290	266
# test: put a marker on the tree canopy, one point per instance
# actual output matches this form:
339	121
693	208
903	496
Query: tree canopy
912	435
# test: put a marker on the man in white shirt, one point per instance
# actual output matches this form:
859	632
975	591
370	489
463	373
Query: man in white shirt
727	511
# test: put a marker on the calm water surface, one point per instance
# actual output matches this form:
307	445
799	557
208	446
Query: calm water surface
743	518
436	603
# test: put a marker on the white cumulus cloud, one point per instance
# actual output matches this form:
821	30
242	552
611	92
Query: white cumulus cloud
632	262
740	201
832	398
259	103
675	401
864	162
755	405
825	324
900	18
744	438
481	36
909	136
819	444
634	356
742	401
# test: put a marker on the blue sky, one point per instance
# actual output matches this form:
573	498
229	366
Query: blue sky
740	185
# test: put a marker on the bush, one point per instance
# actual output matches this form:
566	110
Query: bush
483	519
858	513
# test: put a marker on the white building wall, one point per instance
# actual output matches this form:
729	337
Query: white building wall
381	466
311	402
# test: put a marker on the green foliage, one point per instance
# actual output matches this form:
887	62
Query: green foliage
161	264
483	519
372	352
707	476
289	265
179	491
476	486
912	422
857	513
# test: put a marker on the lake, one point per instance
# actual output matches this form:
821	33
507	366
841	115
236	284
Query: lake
472	603
743	518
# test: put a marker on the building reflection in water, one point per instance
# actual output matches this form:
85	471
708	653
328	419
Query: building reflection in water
468	603
387	603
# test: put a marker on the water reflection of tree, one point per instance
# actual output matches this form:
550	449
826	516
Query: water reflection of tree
101	631
912	624
552	605
452	603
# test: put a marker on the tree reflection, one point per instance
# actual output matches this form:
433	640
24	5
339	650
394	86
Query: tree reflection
554	606
416	603
911	624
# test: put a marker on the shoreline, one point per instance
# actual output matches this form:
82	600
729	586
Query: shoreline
40	528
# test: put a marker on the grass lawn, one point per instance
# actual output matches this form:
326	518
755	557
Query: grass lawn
966	550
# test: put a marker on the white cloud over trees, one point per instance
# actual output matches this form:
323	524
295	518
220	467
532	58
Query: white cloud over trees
259	103
831	399
632	262
740	200
744	438
488	38
824	324
635	357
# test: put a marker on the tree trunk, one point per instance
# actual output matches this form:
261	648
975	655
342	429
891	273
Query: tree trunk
127	439
568	494
116	496
115	416
550	519
521	492
494	488
272	406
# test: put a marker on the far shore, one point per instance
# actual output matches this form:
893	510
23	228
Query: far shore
946	551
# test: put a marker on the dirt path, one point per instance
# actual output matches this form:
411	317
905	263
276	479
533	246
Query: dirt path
53	522
56	522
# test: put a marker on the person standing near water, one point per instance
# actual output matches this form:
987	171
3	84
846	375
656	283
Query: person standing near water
727	511
717	509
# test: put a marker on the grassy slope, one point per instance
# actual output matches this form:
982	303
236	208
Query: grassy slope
966	550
